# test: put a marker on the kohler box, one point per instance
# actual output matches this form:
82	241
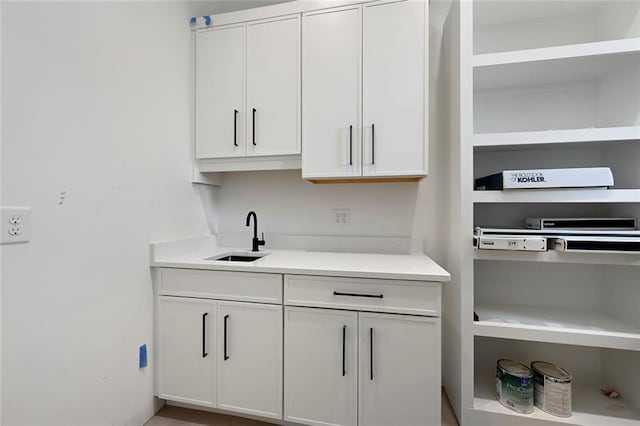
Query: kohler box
547	178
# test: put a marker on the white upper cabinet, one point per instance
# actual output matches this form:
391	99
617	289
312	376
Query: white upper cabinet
273	87
394	106
248	94
364	106
220	92
331	113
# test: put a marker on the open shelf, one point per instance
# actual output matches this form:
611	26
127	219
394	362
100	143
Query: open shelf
552	85
553	256
545	137
558	52
553	71
558	196
514	25
590	407
556	325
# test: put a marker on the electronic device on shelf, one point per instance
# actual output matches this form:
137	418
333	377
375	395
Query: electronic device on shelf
479	231
516	243
595	244
584	177
584	224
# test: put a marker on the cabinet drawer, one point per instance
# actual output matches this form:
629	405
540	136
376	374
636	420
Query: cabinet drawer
241	286
406	297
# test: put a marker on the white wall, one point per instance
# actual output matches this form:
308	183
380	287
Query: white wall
97	107
96	103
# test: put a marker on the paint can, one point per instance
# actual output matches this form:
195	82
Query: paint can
552	388
514	385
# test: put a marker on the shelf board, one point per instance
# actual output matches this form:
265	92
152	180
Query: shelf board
552	256
610	47
546	137
556	325
560	195
590	407
532	70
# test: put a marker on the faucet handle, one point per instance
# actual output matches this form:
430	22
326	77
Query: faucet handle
261	242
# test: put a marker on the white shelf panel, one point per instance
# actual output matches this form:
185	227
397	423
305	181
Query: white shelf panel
556	325
558	52
581	195
554	71
602	134
590	407
630	259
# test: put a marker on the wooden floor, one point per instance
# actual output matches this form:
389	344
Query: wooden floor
175	416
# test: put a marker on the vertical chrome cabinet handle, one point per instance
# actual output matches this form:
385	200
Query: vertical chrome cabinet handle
371	353
373	143
344	350
226	320
254	126
204	335
351	145
235	125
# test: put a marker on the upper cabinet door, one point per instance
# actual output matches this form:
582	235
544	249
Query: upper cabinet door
250	358
399	370
187	350
395	97
273	87
220	95
331	84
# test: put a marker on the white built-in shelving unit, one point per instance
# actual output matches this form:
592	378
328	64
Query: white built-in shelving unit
545	84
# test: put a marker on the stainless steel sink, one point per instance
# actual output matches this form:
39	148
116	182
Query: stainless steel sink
237	257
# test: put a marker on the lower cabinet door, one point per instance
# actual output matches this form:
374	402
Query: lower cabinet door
187	350
250	358
321	366
399	370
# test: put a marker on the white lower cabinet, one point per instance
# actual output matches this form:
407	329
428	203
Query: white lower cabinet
250	358
321	382
324	358
187	350
399	364
396	357
218	354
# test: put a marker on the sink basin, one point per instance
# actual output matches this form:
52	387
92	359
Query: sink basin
237	257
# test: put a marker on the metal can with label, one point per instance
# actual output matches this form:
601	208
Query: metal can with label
514	386
552	388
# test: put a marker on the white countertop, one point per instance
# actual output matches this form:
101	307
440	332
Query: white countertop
192	254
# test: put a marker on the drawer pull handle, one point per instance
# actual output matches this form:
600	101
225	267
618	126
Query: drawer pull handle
373	144
254	127
226	321
351	145
344	350
376	296
235	125
204	334
371	353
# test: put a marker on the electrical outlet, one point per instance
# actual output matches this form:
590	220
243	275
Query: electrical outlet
341	217
16	223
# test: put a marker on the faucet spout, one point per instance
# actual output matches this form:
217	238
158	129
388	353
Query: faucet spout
255	241
255	223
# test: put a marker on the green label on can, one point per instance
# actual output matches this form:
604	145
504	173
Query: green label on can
514	392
